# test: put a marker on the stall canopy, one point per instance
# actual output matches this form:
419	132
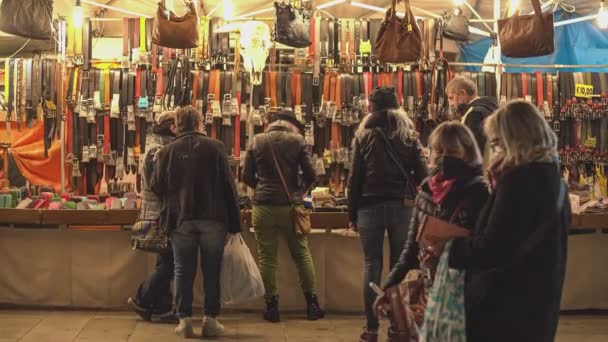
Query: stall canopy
580	43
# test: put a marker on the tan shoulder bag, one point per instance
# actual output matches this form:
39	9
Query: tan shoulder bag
299	214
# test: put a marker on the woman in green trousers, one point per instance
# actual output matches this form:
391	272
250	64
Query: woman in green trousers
282	144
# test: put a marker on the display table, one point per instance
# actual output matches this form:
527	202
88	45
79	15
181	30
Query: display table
47	263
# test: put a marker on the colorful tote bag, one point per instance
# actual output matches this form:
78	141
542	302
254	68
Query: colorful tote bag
444	319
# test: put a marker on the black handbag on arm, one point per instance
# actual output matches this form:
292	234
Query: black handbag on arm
292	27
27	18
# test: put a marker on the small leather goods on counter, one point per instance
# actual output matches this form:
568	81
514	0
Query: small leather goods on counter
527	35
399	40
293	26
175	32
27	18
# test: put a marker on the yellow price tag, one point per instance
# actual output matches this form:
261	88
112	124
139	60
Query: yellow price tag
365	47
583	90
409	27
591	142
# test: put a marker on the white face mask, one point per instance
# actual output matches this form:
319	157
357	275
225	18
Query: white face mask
254	44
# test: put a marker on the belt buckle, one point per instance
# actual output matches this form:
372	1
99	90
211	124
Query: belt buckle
112	158
256	118
78	60
85	154
331	110
234	110
120	168
76	168
319	116
100	153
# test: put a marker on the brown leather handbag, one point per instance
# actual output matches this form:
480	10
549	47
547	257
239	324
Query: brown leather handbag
399	39
405	306
527	35
175	32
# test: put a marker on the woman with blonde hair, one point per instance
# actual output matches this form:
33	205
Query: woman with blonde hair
515	259
387	161
455	192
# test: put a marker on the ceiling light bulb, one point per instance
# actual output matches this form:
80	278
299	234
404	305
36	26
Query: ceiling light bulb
330	4
77	16
458	2
602	15
228	9
513	6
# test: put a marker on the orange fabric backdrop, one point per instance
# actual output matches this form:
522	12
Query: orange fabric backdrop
27	148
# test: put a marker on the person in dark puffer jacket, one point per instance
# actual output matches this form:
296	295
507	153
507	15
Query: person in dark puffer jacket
377	187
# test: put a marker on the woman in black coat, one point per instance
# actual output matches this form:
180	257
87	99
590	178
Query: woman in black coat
515	260
454	192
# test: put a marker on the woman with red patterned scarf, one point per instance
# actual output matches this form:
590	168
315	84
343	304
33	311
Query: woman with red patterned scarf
455	191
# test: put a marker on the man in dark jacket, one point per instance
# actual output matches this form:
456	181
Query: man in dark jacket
469	108
153	298
194	181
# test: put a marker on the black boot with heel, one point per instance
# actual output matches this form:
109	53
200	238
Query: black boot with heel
313	309
271	314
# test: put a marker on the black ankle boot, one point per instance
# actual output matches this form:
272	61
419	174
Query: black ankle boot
313	309
271	314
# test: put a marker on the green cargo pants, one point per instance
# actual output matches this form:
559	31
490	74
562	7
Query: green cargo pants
269	222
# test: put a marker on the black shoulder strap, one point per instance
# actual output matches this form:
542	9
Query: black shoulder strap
393	155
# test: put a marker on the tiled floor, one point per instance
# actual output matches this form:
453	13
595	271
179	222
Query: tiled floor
91	326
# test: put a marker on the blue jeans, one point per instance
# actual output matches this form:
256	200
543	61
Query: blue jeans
372	222
154	293
190	237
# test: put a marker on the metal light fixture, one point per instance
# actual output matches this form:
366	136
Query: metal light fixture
330	4
77	16
602	15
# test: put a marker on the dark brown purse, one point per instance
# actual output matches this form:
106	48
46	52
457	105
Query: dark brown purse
399	39
175	32
527	35
27	18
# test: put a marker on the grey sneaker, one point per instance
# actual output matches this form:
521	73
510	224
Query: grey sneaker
211	327
184	329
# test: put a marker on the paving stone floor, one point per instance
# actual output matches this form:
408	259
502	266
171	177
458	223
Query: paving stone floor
94	326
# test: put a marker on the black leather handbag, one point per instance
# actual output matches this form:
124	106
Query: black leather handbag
456	26
293	26
27	18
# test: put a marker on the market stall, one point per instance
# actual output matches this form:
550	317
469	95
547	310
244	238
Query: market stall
75	116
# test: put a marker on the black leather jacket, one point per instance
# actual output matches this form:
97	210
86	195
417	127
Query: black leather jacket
374	177
469	195
293	155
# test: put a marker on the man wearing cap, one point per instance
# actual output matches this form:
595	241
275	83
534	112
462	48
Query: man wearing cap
153	298
200	207
272	206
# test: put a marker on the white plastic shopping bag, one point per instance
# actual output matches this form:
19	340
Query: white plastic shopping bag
240	278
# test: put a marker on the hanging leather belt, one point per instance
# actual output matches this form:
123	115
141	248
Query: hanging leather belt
524	84
549	92
374	27
533	88
481	84
503	89
490	84
331	42
509	89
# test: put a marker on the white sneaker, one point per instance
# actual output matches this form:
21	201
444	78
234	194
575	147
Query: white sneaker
211	327
184	329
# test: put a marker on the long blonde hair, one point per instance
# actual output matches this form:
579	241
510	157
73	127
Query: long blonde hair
454	139
404	126
522	133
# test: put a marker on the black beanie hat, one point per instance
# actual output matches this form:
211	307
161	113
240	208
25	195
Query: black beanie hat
384	98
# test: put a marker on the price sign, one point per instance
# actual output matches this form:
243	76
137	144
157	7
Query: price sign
583	91
591	142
